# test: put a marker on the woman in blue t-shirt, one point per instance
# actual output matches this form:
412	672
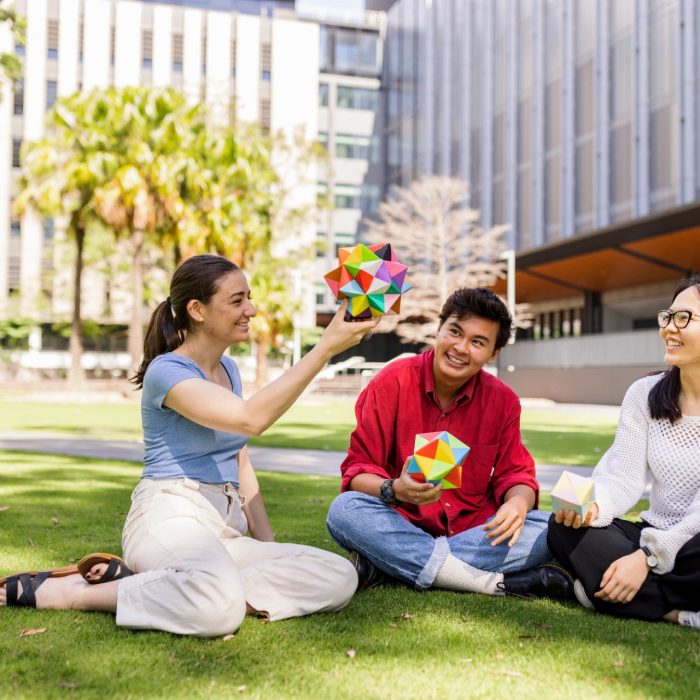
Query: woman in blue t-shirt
185	534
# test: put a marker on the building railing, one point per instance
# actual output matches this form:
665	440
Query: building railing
628	349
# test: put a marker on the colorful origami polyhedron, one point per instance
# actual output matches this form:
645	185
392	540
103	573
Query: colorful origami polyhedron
573	492
438	458
371	278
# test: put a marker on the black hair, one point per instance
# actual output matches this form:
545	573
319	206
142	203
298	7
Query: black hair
197	278
482	302
664	397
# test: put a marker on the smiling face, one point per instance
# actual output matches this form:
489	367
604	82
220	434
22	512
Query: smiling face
462	348
225	317
683	344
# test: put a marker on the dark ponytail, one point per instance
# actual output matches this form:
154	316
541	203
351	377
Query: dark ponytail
664	397
197	278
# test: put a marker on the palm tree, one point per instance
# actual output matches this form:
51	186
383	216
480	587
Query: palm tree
239	194
59	176
145	200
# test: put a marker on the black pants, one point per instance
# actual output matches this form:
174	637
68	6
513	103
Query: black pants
589	551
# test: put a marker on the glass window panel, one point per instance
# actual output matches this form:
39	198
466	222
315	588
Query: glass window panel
498	144
584	99
357	98
499	210
554	31
51	93
524	207
663	50
553	115
583	187
552	179
621	15
585	23
475	165
18	106
49	230
525	130
621	78
324	49
16	147
621	170
323	94
356	52
320	244
369	198
663	153
526	57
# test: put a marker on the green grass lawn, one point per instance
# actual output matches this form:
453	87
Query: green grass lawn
404	644
552	437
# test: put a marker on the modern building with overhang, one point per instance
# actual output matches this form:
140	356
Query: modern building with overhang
578	125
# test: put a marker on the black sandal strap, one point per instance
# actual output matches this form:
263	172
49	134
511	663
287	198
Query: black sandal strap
111	572
30	584
11	591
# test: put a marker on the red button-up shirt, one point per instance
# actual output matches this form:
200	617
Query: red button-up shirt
401	401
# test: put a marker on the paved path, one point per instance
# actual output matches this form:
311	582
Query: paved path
272	459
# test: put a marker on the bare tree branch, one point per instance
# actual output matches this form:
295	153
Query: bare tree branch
434	232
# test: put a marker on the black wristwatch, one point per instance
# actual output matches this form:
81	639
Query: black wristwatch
652	559
386	493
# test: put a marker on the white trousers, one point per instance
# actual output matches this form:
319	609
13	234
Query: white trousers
197	569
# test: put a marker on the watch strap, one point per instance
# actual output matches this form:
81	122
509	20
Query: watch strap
386	493
652	559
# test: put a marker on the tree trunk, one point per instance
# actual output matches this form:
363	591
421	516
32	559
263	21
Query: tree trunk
136	323
262	347
76	373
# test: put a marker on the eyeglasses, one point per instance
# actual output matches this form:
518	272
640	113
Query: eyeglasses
680	318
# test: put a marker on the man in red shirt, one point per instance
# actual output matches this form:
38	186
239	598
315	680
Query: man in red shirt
483	536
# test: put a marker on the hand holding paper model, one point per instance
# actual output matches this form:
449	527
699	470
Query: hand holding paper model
573	492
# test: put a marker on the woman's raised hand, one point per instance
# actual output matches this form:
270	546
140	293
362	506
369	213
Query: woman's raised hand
341	335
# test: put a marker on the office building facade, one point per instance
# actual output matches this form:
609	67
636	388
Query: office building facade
577	124
250	62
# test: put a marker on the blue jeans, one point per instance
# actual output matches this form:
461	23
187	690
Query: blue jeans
381	534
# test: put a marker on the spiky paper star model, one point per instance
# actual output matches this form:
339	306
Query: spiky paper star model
371	278
438	458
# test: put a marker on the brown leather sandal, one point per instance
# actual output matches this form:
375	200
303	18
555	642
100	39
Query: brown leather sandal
116	567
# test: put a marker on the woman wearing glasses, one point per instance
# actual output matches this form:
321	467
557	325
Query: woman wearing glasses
649	569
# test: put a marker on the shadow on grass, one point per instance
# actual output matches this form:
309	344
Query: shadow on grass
307	435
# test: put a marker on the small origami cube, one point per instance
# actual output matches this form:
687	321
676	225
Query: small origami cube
438	458
573	492
371	278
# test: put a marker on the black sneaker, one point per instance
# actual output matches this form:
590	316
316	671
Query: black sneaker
548	580
368	575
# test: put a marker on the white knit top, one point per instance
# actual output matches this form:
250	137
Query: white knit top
669	455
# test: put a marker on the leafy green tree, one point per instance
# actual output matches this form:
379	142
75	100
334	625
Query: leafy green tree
243	211
10	64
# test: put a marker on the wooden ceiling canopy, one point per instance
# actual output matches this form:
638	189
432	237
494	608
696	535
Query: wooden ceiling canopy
657	248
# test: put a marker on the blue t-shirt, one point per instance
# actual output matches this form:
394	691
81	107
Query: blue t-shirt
175	446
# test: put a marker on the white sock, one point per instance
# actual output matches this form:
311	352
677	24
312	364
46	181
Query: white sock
689	619
581	596
455	575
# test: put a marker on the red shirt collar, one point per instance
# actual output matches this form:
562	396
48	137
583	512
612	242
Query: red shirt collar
466	392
